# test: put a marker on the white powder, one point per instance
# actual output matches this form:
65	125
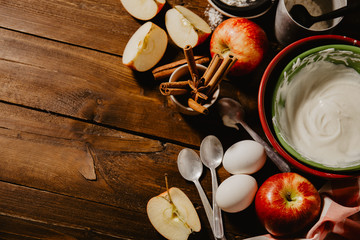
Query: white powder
313	8
238	3
214	17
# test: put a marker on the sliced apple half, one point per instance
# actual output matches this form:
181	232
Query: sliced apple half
186	27
173	216
143	9
145	48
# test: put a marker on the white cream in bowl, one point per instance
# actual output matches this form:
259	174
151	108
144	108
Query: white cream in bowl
320	112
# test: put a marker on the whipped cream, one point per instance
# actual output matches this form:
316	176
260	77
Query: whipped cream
321	114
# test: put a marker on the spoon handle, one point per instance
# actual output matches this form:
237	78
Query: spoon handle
218	224
206	204
278	161
338	12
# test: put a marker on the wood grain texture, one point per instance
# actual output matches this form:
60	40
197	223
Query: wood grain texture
48	151
84	141
44	152
13	228
41	186
87	23
105	25
58	210
88	85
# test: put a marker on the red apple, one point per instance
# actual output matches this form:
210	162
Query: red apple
242	38
287	203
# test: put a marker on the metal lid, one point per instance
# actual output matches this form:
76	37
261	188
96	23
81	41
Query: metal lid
242	8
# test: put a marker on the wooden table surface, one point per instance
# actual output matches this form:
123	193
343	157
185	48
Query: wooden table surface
85	141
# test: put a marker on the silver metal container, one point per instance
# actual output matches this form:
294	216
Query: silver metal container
287	30
242	8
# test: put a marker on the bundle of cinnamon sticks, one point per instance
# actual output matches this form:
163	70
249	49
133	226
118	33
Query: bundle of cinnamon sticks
198	89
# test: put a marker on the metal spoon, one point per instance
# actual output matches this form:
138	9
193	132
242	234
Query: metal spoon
211	154
191	168
232	115
301	15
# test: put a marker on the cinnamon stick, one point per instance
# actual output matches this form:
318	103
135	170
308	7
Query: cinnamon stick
180	84
166	70
211	69
197	106
165	87
225	66
189	56
175	91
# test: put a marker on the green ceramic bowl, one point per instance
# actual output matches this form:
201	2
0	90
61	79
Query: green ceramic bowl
345	55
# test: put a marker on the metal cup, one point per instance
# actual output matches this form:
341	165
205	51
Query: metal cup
287	30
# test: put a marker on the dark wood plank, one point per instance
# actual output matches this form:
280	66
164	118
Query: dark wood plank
28	213
104	25
43	212
85	142
48	152
89	85
44	152
15	228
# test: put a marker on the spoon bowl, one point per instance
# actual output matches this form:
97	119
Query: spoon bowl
211	154
301	15
232	114
189	165
211	151
191	168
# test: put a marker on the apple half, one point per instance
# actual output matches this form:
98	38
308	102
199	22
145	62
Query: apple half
145	48
186	27
143	9
173	217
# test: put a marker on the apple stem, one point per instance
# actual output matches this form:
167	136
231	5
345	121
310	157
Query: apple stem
167	187
175	211
225	50
288	196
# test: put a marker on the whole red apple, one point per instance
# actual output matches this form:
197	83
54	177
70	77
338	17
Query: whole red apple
242	38
287	203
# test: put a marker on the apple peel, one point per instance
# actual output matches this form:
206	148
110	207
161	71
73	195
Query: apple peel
287	203
173	215
242	38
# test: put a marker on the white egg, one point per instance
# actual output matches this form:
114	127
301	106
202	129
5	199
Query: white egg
236	193
244	157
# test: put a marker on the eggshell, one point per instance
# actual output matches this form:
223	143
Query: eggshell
244	157
236	193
